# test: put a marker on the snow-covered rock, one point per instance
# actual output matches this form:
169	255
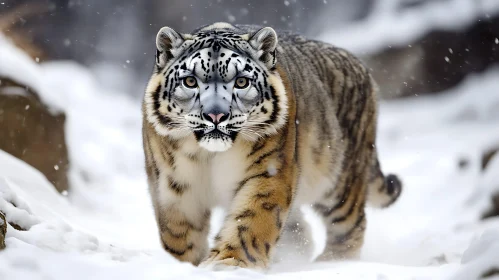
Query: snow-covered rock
32	123
32	132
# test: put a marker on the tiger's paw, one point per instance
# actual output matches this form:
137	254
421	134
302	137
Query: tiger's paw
223	264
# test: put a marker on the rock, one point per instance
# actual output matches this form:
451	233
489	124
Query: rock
3	230
396	70
32	133
437	61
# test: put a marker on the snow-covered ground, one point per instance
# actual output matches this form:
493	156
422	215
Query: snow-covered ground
104	227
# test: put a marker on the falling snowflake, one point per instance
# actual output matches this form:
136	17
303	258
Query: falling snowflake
271	169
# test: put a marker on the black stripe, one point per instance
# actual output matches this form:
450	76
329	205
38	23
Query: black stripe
161	118
191	226
247	213
257	146
177	187
327	211
278	219
267	248
177	252
269	153
254	244
347	187
263	195
215	251
350	210
275	104
165	228
343	237
168	155
243	182
269	206
240	230
246	251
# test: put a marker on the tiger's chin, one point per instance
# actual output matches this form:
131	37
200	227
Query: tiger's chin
216	145
215	142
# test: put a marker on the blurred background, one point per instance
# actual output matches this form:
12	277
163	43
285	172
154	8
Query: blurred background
73	73
413	46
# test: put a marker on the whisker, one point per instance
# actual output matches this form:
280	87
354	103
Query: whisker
247	131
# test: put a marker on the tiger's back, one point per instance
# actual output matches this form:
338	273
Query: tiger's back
336	133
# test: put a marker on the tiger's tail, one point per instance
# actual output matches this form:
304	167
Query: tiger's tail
382	190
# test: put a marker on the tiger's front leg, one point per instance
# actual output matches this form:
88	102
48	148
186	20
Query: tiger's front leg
253	225
257	213
183	237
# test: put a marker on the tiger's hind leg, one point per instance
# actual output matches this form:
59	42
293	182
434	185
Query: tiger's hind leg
342	208
342	212
296	240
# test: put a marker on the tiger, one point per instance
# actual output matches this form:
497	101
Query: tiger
260	124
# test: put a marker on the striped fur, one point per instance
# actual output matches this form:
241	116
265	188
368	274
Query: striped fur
305	136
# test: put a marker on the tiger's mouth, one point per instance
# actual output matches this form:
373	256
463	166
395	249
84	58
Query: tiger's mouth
216	133
216	140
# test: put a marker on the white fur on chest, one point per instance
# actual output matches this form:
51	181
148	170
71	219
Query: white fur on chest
212	178
227	170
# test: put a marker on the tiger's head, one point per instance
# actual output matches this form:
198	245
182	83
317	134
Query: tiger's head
217	84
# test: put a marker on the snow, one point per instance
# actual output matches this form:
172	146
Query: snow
19	67
104	228
481	257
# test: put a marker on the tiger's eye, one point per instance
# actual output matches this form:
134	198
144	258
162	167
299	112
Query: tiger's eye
190	82
241	82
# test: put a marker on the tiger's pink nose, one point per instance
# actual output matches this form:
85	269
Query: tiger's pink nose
216	118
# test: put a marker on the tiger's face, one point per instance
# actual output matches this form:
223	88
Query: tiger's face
217	84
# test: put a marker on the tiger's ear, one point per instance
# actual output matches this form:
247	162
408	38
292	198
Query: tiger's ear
265	42
167	41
